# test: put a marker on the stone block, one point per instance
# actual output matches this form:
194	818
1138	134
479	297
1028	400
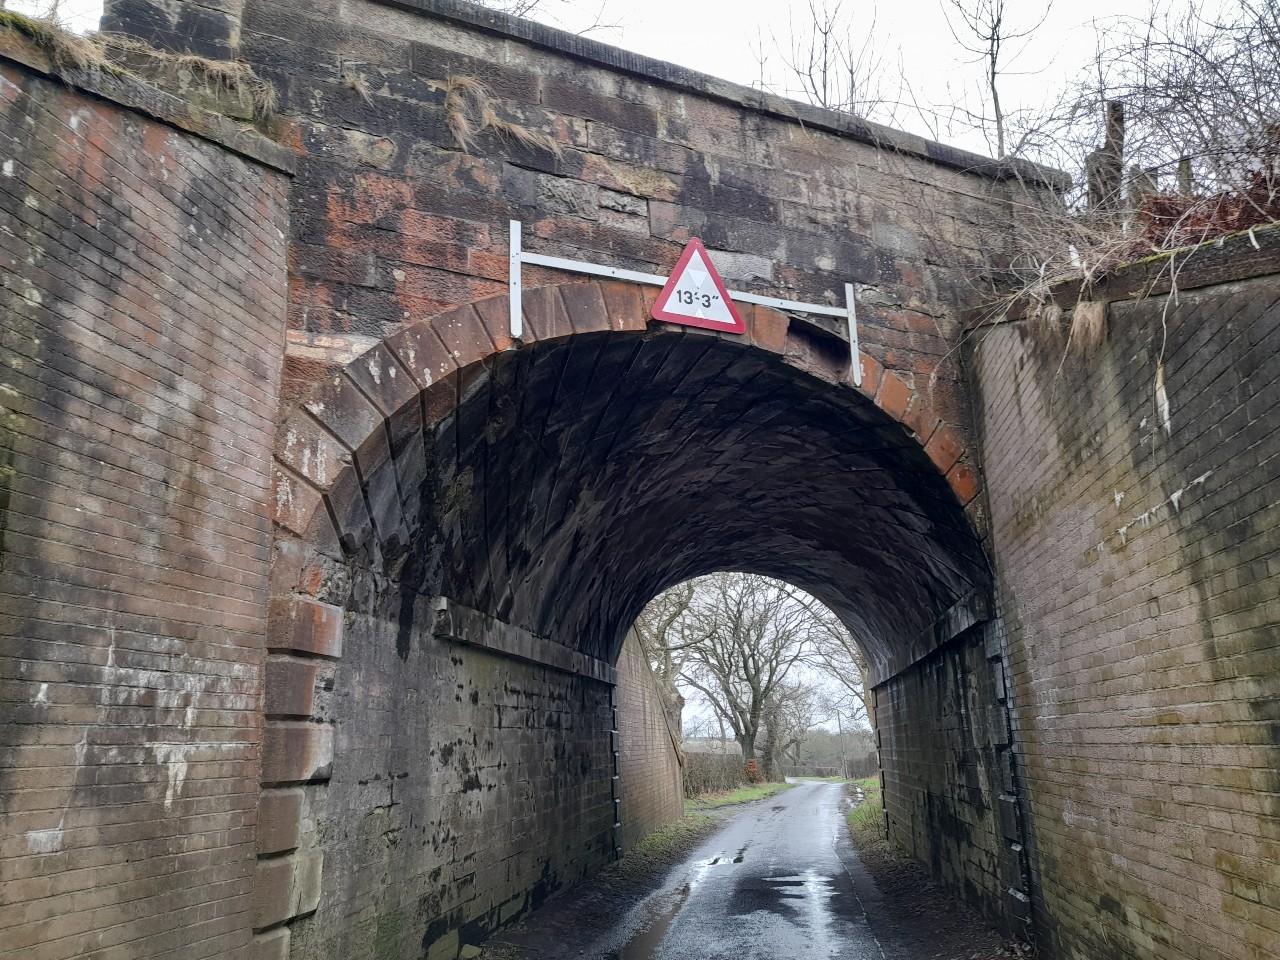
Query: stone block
545	317
310	450
923	421
872	374
298	506
299	624
383	380
294	752
1010	867
944	449
444	948
271	945
279	820
272	892
464	336
767	328
307	874
1008	781
997	725
585	306
1007	810
350	511
422	354
893	395
290	687
343	409
963	482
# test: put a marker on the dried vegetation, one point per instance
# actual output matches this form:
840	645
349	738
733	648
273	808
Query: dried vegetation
1176	132
469	111
122	56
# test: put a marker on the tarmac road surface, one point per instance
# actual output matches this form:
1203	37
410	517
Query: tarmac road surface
772	884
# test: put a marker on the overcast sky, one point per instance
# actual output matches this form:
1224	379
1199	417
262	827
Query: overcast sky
913	41
731	38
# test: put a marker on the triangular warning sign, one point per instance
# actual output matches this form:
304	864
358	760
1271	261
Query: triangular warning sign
695	294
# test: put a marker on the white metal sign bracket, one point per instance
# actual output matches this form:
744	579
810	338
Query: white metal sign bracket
518	257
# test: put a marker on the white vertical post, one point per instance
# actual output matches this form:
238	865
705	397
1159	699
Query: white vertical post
855	354
513	283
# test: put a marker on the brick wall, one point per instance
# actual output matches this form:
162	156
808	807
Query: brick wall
652	782
1133	501
142	290
946	769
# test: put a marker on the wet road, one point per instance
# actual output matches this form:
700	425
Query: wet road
773	883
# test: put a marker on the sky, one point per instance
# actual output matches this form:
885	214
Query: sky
914	41
749	41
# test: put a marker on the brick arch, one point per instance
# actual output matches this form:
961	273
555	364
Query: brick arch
345	453
317	494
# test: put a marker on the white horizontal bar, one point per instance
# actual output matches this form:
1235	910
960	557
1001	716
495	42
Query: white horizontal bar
616	273
796	305
595	269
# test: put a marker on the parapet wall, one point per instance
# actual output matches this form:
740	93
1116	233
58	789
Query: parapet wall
1132	481
143	294
609	158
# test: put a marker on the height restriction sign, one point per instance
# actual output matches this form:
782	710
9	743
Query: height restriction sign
695	295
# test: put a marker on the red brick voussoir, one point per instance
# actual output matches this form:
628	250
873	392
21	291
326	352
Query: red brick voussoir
343	434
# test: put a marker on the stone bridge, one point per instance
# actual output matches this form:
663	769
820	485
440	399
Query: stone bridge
315	582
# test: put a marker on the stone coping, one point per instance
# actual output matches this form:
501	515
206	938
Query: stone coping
139	97
682	78
1244	255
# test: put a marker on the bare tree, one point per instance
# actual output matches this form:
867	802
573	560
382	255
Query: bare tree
50	10
984	29
1178	120
837	655
1200	87
549	11
667	632
836	60
733	638
792	712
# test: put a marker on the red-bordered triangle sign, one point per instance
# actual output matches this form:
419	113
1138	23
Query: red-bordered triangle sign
695	294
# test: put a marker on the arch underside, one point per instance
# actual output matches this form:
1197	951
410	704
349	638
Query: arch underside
577	478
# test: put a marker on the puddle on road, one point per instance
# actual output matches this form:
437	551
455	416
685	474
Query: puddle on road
644	945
